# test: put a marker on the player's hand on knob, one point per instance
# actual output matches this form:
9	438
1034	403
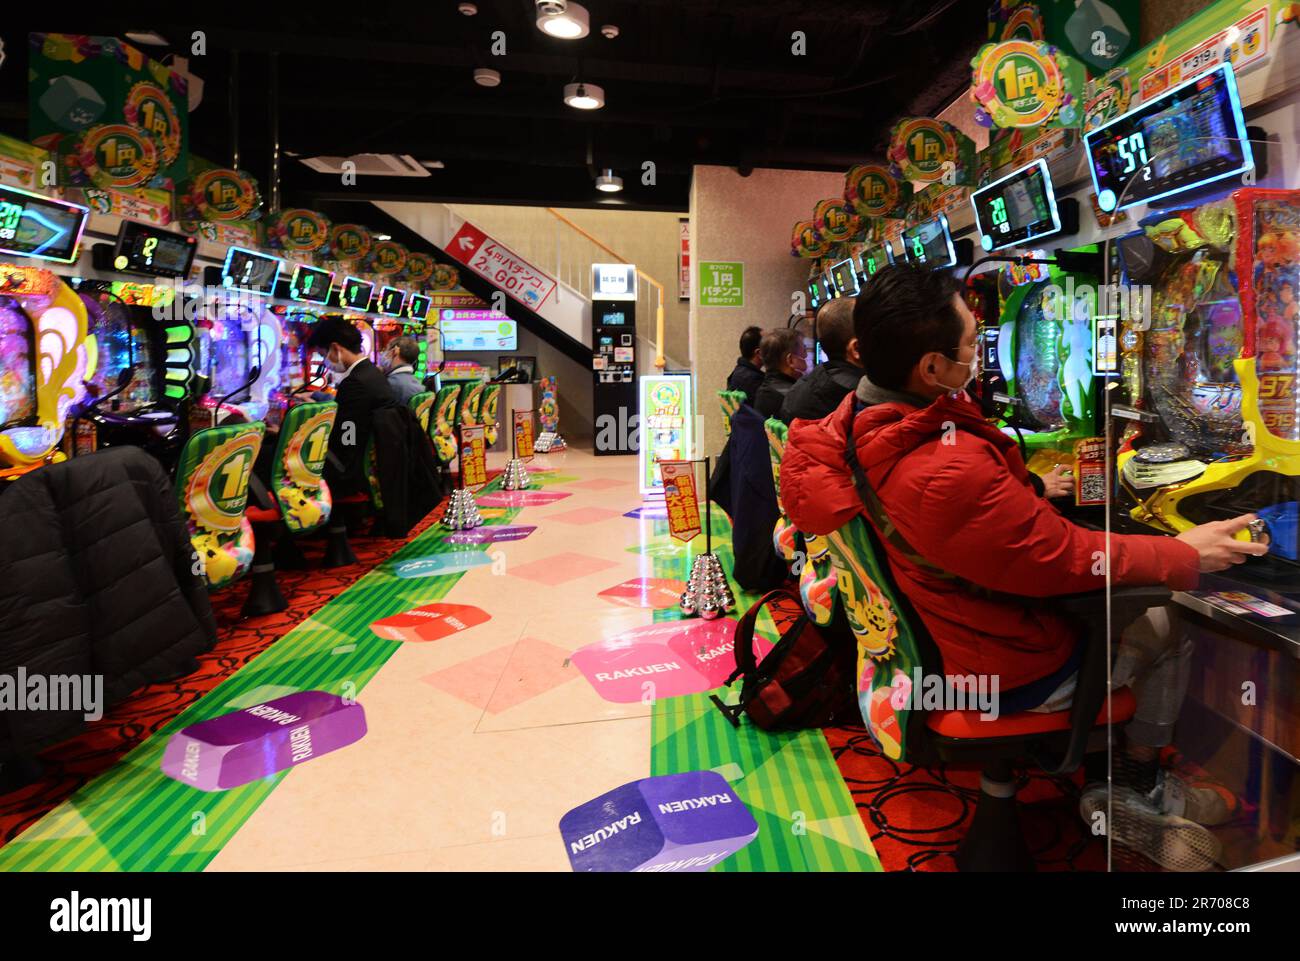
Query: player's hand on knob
1058	483
1218	548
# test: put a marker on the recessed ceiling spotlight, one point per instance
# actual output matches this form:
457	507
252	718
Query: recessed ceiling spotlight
608	182
147	38
487	77
467	9
564	21
584	96
609	31
383	236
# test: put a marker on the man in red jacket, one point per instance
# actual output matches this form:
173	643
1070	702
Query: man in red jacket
958	492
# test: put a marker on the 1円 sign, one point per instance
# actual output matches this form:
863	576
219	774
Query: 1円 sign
722	284
501	266
680	499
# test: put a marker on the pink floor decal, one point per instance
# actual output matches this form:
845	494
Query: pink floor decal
653	592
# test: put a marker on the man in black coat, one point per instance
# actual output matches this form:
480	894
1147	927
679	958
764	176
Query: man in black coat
747	374
785	357
818	394
362	389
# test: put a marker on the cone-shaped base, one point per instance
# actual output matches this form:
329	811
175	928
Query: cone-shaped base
515	476
462	511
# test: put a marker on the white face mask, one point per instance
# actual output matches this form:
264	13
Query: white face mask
335	365
973	365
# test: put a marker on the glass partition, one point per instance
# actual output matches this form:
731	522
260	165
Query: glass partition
1203	426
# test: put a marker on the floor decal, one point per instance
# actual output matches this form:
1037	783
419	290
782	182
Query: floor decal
601	484
430	622
584	515
676	822
537	667
440	564
662	660
254	743
560	568
490	534
655	592
522	498
648	514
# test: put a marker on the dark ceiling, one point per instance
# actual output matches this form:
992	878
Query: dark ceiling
687	82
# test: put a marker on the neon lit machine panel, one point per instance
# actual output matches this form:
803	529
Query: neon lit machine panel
1021	208
613	358
1190	137
32	225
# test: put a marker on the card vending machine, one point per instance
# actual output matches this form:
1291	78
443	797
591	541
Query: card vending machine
613	357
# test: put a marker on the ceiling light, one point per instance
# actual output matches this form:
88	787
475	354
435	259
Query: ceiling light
468	9
383	236
571	23
609	31
487	77
148	38
608	182
584	96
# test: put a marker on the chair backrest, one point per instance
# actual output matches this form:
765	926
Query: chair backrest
817	582
892	641
422	407
212	489
487	412
730	401
471	396
442	426
303	495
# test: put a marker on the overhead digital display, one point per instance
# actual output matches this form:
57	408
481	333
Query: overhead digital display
930	244
1192	135
845	278
814	294
141	249
311	284
391	300
250	270
873	258
356	294
35	226
1017	209
417	307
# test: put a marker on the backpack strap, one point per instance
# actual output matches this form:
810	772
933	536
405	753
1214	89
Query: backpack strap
743	639
885	527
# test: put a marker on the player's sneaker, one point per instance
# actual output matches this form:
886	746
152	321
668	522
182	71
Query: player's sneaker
1199	799
1173	842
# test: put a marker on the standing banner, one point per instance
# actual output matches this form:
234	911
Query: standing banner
680	499
683	258
524	434
666	425
473	456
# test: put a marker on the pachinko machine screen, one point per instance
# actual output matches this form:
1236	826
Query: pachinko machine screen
17	370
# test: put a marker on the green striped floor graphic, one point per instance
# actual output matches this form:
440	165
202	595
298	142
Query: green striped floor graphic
807	820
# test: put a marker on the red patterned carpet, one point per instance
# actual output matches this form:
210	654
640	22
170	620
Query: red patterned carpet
917	816
73	763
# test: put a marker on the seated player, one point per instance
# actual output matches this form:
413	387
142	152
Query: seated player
784	360
957	491
819	393
748	373
361	390
399	361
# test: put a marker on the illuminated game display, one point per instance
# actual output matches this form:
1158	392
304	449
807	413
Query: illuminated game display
17	367
311	285
32	225
930	244
141	249
874	258
1191	136
1018	209
355	294
250	270
391	301
845	279
233	339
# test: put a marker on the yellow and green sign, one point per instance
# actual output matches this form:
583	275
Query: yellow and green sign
722	284
875	192
1023	83
349	243
298	230
926	150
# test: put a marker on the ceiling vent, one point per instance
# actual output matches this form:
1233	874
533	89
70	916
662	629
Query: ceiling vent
370	165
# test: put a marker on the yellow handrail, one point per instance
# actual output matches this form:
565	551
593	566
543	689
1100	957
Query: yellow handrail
659	288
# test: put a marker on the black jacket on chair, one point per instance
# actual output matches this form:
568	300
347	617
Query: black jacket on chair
817	394
363	391
745	378
98	579
754	511
410	483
